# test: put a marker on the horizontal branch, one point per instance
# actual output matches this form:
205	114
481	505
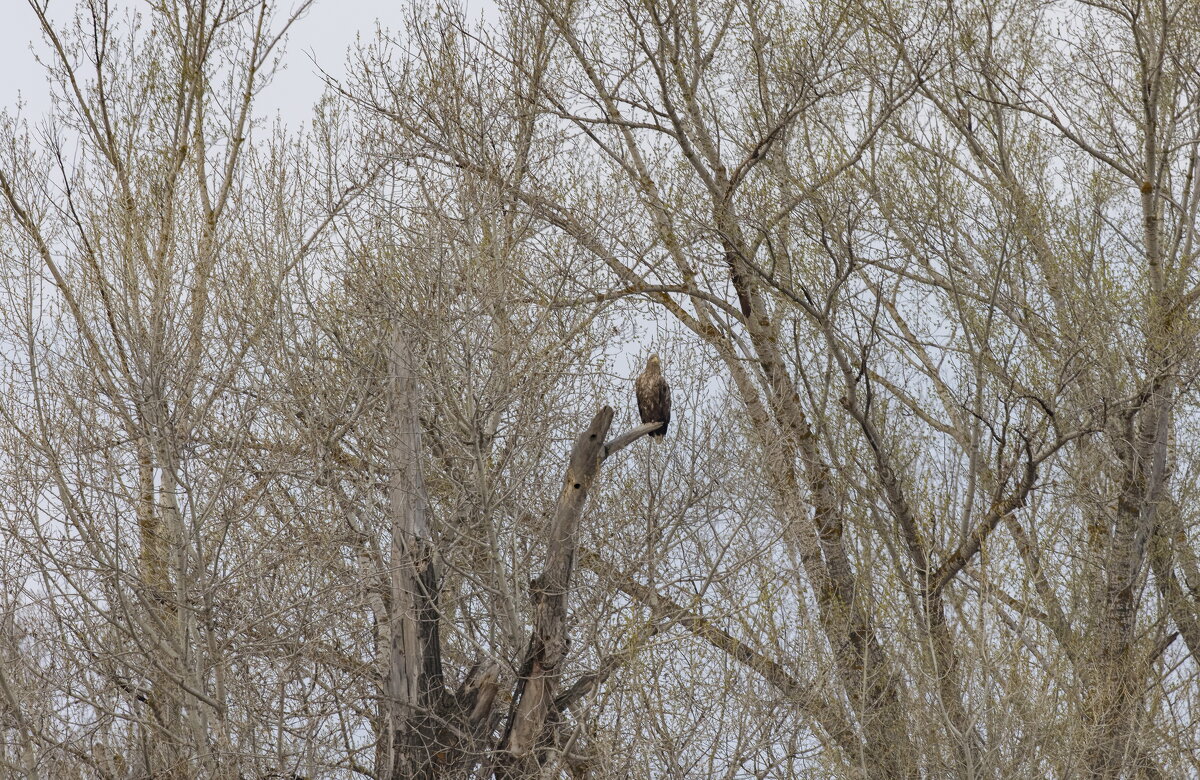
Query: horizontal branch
619	443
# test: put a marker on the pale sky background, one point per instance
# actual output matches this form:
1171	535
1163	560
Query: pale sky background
320	38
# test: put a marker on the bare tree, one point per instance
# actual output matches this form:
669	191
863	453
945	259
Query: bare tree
142	273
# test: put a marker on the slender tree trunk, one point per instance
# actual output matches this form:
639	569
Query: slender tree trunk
162	739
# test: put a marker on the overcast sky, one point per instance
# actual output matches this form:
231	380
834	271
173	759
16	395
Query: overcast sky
321	36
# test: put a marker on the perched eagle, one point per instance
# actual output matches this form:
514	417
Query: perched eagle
654	396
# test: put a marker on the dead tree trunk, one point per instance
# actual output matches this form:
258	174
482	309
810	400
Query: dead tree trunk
415	692
529	731
431	734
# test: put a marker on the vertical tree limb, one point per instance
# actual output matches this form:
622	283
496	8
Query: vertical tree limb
532	704
414	675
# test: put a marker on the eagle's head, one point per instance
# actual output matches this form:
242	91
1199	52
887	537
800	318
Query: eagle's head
653	363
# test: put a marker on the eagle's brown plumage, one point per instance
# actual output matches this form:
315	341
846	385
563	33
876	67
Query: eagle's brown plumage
654	396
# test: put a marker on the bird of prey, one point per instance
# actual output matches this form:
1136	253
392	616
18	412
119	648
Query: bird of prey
654	396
